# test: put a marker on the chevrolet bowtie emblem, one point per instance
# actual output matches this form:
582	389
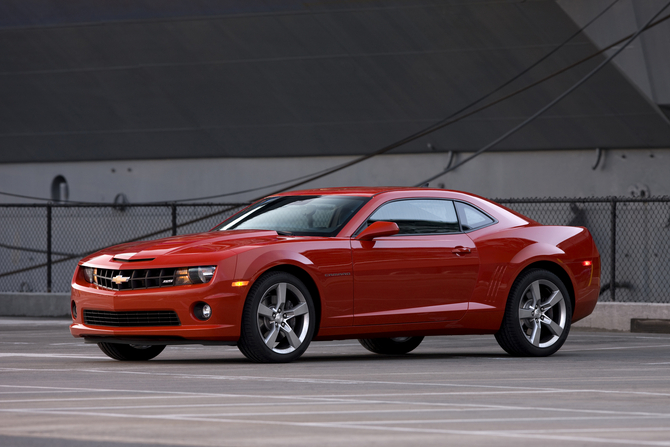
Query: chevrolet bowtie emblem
118	279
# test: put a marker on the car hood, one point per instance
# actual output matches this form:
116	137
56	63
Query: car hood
209	242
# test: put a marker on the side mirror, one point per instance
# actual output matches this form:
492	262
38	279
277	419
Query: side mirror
378	229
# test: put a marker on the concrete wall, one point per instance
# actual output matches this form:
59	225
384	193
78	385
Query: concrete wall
617	316
34	304
496	174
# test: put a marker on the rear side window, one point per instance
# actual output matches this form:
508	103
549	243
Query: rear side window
471	217
419	216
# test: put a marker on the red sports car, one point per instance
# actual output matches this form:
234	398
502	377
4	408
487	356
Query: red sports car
386	266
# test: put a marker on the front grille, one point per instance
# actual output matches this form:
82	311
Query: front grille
133	279
131	319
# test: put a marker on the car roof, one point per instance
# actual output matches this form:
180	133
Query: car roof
366	191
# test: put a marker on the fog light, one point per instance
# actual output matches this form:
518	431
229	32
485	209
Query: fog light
202	311
74	310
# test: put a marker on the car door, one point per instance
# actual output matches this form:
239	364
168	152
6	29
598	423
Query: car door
425	273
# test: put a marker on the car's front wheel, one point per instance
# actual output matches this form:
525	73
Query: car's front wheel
537	317
278	319
131	352
391	346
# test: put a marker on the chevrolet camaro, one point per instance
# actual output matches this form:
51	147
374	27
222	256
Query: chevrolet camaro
386	266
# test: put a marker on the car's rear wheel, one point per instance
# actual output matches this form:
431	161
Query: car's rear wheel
537	316
391	346
278	319
131	352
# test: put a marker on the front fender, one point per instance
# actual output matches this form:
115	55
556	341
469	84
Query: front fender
329	269
251	265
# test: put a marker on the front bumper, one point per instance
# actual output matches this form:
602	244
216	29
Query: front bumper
222	326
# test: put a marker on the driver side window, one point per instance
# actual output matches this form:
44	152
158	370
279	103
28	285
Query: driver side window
421	216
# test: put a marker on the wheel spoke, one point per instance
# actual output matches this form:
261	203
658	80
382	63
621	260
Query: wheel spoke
281	295
525	313
271	339
553	300
264	311
553	326
300	309
535	290
535	336
293	339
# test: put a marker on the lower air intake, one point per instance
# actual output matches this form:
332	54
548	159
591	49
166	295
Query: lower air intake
131	319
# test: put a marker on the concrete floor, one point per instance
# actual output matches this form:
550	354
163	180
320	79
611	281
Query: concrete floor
600	388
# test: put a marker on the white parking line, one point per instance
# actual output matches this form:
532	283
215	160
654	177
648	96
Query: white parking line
164	406
614	348
359	400
626	335
274	413
370	426
500	433
55	356
515	420
502	389
76	344
247	417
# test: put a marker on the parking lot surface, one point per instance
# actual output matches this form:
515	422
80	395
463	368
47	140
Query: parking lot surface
600	388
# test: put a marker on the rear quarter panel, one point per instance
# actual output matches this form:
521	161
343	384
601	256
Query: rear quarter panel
505	254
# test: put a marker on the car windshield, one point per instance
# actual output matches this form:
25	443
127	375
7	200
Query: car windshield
298	215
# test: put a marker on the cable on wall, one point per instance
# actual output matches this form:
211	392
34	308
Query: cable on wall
439	125
551	104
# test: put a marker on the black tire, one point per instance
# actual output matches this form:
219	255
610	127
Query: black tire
130	352
268	336
535	326
391	346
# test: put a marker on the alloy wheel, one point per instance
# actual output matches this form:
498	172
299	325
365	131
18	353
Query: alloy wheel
542	313
283	318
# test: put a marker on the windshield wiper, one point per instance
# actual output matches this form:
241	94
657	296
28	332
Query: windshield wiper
284	233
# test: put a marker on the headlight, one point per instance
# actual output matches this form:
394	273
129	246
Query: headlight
88	274
193	275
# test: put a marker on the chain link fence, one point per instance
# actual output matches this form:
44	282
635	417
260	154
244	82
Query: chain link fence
632	235
41	244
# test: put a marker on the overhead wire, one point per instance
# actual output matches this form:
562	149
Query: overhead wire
433	127
448	120
424	132
648	25
21	196
551	103
427	130
258	188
